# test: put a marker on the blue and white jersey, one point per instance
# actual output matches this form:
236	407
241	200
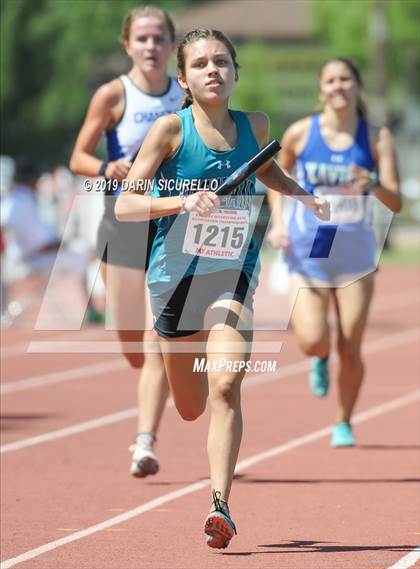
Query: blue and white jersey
188	244
345	245
141	110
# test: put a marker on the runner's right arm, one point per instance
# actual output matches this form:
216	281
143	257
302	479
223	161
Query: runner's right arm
161	142
105	110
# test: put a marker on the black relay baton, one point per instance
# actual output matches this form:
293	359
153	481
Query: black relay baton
244	171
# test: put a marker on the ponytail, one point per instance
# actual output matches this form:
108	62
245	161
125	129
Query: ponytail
361	108
188	100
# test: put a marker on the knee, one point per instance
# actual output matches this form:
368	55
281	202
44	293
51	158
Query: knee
314	347
154	362
136	361
349	353
225	389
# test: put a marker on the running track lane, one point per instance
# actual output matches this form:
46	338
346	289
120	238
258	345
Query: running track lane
244	522
111	384
285	371
305	547
272	395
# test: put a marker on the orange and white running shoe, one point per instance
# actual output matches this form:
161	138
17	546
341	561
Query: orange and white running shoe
218	527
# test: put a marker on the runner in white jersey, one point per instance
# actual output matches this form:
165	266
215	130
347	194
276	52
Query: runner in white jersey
124	109
140	112
119	244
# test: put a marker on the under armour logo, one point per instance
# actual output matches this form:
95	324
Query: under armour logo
221	164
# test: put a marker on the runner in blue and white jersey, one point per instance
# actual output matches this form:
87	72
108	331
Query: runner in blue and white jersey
338	155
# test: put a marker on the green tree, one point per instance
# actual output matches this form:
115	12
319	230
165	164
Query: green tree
345	29
54	54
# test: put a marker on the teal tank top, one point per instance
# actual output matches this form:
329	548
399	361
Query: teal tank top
195	167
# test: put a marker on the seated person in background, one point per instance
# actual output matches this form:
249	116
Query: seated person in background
35	241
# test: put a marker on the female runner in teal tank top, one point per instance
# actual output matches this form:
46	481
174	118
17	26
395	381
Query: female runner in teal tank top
203	269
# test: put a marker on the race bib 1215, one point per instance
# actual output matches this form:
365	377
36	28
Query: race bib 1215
220	235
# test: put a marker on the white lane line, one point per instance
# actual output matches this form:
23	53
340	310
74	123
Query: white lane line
408	560
358	418
95	369
90	370
242	465
21	348
291	369
392	300
73	430
391	341
105	420
106	524
60	376
381	303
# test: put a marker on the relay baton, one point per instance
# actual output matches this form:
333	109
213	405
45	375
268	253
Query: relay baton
244	171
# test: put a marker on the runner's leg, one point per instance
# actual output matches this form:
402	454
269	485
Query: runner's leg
310	316
353	303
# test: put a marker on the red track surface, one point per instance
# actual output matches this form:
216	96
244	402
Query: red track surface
305	507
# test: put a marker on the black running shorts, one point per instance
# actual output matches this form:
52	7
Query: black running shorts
122	243
181	311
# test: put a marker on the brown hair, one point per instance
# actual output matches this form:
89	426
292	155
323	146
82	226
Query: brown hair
193	36
145	12
354	70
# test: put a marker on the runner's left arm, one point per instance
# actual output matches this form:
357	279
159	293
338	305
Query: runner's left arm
387	187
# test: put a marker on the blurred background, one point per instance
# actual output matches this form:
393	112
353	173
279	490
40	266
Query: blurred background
55	53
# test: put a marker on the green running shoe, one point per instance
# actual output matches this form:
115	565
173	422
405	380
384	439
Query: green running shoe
342	436
93	316
319	377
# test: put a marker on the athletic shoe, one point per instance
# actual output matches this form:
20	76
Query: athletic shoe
342	436
93	316
218	527
143	462
319	377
